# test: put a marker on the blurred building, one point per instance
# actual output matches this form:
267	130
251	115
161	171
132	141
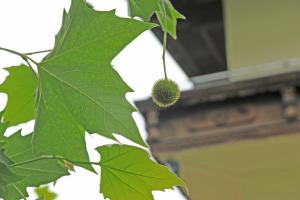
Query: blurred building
235	135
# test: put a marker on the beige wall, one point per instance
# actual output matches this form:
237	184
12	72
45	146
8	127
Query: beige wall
265	169
262	37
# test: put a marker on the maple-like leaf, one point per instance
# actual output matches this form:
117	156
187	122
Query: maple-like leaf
79	90
20	87
19	149
45	194
3	127
128	173
165	12
168	16
143	9
7	176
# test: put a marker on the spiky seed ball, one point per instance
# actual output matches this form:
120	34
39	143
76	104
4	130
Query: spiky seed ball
165	93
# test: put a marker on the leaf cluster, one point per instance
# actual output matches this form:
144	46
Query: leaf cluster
77	91
165	12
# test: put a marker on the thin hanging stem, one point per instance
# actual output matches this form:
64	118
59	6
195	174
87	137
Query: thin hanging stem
38	52
164	40
164	54
24	57
45	157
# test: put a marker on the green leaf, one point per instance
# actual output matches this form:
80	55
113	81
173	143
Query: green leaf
168	16
1	192
7	176
20	87
165	12
45	194
79	90
19	149
4	159
128	173
1	142
143	9
3	127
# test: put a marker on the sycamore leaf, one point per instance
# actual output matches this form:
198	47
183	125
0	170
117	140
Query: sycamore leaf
79	90
20	87
19	149
44	193
3	127
7	176
3	158
168	16
165	12
1	192
143	9
128	173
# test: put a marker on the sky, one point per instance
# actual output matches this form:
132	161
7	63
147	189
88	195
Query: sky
31	25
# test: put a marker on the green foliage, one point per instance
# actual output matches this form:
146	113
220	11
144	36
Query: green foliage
168	16
45	194
165	12
7	176
20	87
78	91
165	93
143	9
124	178
3	127
41	171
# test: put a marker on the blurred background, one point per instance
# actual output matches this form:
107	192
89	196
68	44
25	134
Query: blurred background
234	133
234	136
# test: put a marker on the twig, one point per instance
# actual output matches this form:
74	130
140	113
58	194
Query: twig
24	57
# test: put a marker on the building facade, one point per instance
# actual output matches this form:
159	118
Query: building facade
235	136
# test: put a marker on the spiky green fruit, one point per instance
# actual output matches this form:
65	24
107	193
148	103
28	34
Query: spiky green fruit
165	93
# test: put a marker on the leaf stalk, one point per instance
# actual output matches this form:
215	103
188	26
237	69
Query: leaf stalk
48	157
38	52
164	54
164	40
25	57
